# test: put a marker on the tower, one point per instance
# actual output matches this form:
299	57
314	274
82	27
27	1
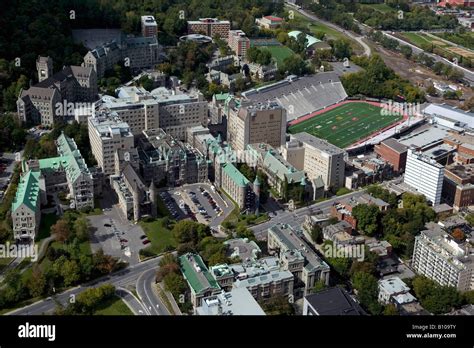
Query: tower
44	66
256	190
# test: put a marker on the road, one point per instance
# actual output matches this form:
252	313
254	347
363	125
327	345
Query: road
357	38
296	218
468	74
148	294
137	307
120	279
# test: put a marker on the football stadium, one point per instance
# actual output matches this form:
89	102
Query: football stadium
346	123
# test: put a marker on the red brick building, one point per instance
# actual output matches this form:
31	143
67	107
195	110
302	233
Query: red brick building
458	188
393	152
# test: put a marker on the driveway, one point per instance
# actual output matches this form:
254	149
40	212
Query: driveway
112	232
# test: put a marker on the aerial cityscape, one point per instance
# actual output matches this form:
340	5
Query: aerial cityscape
256	158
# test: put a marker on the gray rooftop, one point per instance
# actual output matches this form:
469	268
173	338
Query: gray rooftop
334	301
294	242
317	143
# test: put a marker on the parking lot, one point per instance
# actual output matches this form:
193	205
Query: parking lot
199	202
114	234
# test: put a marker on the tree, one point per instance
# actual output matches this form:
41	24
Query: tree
319	285
81	229
37	282
367	218
435	298
317	234
406	51
61	231
175	284
70	272
431	91
342	49
367	291
458	234
278	305
390	309
103	263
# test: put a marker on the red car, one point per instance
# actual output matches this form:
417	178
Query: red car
146	241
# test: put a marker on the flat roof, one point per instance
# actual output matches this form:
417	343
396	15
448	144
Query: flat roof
334	301
395	145
318	143
293	241
393	285
238	301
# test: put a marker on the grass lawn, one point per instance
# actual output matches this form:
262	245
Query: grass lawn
331	33
159	235
384	8
346	124
279	53
47	220
417	39
114	306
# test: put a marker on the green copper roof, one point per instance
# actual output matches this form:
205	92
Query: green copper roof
70	159
236	176
28	191
196	273
221	96
277	165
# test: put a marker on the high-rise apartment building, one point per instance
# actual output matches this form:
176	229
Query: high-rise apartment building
210	27
107	134
317	157
425	175
149	26
239	42
255	122
439	257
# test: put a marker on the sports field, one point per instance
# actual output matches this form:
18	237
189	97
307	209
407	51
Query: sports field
279	53
346	124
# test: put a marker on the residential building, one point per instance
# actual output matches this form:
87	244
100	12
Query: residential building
239	43
67	172
199	279
136	200
331	301
236	185
210	27
26	206
317	157
394	290
107	134
149	26
296	256
262	72
269	22
162	108
216	108
166	160
136	52
56	96
458	186
235	302
279	171
263	278
393	152
251	123
341	234
425	175
439	257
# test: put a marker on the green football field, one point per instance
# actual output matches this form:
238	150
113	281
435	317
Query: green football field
279	53
346	124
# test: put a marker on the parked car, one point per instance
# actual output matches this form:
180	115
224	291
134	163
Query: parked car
146	241
142	237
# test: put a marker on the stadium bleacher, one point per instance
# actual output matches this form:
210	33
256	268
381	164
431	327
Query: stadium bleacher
301	96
